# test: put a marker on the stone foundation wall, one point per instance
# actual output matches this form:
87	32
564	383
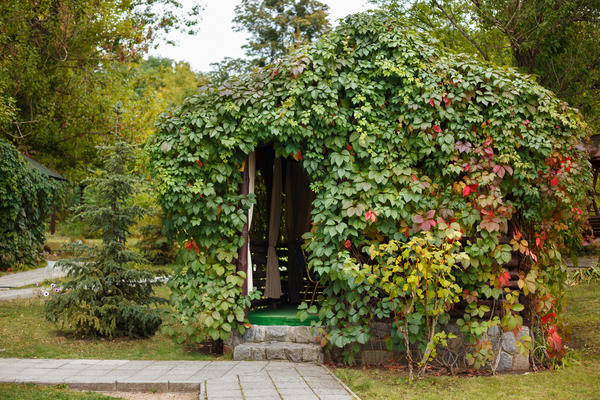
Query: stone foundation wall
506	356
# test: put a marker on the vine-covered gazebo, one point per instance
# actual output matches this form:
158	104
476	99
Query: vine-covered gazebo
373	134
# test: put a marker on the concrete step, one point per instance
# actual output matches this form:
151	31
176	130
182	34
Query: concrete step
279	333
296	352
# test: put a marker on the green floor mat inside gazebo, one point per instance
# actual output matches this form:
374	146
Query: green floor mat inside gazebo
284	315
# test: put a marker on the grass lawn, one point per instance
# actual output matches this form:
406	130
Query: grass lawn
25	333
34	392
580	380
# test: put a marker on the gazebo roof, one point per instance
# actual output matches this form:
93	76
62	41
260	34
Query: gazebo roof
43	169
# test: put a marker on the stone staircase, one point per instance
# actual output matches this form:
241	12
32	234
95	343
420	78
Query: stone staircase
278	342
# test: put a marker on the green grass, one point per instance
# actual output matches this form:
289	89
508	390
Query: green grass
579	380
34	392
25	333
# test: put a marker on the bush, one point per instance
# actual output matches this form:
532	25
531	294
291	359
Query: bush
105	296
26	199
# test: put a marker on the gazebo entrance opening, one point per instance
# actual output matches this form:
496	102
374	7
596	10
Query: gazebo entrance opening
279	218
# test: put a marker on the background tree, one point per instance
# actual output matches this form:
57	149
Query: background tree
555	40
61	63
275	25
106	296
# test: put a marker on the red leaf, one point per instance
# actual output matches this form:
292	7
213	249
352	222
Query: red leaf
431	102
199	163
370	215
525	123
430	214
298	155
348	244
554	339
437	129
414	178
447	101
547	317
517	234
427	225
348	147
554	181
537	241
417	219
466	191
467	168
504	278
508	169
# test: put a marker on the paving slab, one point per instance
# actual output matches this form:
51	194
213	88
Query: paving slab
213	380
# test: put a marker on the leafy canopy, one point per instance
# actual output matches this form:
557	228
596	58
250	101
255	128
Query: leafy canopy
398	136
61	63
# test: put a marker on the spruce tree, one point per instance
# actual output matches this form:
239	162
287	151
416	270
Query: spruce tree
105	296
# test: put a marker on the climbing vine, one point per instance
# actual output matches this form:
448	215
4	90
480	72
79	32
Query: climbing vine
398	136
26	198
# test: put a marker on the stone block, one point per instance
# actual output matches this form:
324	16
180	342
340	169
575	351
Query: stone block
294	353
381	329
183	387
94	386
257	353
520	363
313	354
376	357
276	333
504	362
302	334
509	343
141	386
276	351
493	330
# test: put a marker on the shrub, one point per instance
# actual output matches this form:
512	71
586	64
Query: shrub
105	296
26	199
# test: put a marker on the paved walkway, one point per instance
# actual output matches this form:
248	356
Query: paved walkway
214	380
20	279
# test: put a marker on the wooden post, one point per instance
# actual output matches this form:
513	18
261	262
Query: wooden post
242	264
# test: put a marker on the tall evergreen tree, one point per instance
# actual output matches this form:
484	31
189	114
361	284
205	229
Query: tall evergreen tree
105	296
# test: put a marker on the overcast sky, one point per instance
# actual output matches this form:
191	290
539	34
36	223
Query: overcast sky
217	38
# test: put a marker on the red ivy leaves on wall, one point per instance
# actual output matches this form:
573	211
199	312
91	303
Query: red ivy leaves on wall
370	216
504	278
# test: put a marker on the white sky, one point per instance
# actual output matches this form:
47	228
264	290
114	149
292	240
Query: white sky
217	38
